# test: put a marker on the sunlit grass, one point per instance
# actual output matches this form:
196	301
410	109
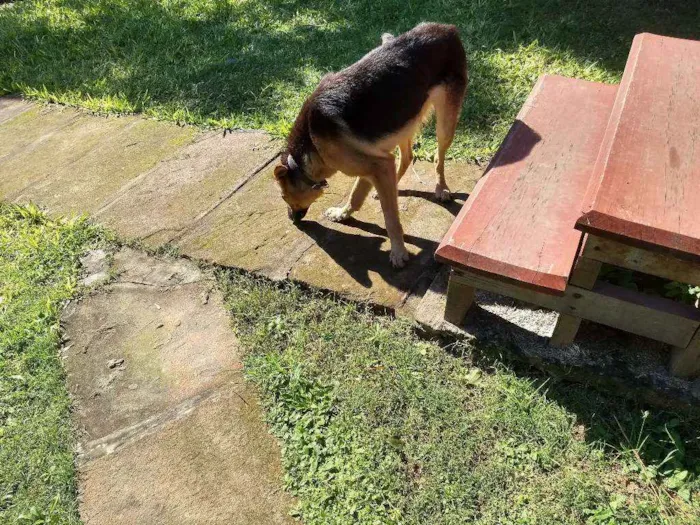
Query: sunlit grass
250	64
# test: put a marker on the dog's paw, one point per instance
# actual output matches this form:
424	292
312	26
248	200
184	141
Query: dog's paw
337	214
398	257
442	193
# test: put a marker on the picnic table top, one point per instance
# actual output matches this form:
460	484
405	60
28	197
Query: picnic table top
645	185
519	222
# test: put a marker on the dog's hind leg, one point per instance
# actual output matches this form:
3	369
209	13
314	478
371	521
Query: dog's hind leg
357	198
448	104
406	158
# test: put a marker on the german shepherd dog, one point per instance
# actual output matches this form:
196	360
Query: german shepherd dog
356	118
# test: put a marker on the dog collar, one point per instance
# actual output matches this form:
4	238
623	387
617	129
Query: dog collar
294	168
316	185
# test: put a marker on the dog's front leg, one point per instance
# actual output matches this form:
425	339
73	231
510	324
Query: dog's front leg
387	191
355	201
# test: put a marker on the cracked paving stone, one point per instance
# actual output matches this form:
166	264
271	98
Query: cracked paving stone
165	201
168	431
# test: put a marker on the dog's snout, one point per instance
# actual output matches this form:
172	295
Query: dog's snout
296	215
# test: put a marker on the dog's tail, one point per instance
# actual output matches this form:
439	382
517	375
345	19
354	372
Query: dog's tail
387	37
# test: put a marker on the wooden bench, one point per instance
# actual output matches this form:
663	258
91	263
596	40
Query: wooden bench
517	234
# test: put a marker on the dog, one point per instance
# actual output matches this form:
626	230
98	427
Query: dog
356	118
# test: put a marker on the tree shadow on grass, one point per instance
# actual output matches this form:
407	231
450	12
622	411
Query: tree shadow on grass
251	63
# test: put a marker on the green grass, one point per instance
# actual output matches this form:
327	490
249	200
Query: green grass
39	260
250	63
379	426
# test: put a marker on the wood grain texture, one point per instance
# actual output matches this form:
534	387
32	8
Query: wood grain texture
518	223
585	272
565	330
663	265
645	188
656	318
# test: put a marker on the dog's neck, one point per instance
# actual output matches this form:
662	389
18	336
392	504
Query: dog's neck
300	146
299	142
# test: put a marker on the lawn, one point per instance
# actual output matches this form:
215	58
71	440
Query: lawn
39	260
250	63
379	426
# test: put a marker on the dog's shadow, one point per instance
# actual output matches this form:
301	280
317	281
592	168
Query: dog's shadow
360	255
453	206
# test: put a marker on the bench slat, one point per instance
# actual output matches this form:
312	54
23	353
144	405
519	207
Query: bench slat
645	188
518	224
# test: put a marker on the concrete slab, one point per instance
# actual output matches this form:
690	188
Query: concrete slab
31	146
146	343
163	202
11	106
251	230
217	465
69	161
104	155
170	431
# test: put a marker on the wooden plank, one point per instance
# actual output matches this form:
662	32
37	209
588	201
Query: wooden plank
685	362
662	265
460	297
644	188
584	275
656	318
518	223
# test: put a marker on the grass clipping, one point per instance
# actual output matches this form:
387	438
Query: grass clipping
378	426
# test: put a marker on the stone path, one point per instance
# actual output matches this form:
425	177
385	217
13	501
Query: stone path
213	197
168	430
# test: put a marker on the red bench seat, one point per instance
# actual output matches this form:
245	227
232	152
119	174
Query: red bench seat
519	222
645	188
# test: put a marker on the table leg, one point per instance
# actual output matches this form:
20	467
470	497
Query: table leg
460	297
584	275
685	362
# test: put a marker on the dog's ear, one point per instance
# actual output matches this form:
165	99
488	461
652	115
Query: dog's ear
280	171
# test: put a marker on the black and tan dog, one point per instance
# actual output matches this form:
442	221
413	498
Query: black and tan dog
357	117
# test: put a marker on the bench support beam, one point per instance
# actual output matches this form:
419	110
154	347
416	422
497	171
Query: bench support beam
685	362
662	265
653	317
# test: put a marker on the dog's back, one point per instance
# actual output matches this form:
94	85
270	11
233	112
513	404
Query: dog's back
390	85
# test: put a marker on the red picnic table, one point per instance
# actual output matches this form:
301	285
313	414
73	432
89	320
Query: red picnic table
590	174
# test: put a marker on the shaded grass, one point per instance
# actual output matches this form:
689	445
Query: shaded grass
39	260
250	63
379	426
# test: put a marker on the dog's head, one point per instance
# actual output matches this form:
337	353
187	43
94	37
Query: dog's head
299	191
